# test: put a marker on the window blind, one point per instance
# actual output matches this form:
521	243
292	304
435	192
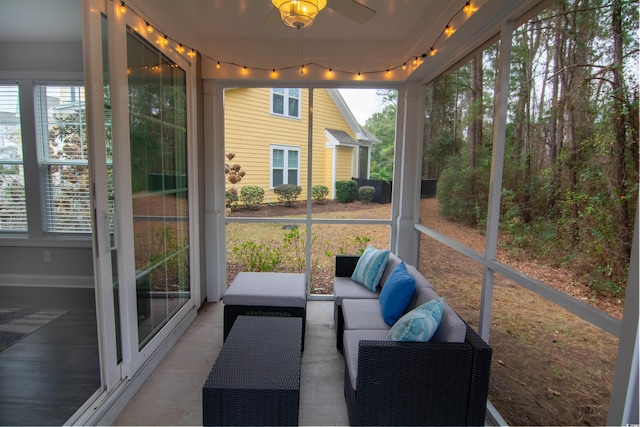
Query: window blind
13	208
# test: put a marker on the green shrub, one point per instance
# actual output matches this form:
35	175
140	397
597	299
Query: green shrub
231	198
258	256
251	196
463	192
346	191
319	193
287	193
366	193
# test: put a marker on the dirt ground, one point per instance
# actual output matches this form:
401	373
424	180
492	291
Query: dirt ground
549	367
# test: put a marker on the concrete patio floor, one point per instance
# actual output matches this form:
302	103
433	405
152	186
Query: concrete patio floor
173	393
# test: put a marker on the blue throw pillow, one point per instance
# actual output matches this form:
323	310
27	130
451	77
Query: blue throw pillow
419	324
370	267
396	294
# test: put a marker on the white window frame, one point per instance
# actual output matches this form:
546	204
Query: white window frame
80	222
286	94
285	168
9	202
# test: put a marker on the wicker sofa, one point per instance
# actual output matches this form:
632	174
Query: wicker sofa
441	382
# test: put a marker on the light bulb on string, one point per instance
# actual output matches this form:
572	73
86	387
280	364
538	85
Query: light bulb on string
415	61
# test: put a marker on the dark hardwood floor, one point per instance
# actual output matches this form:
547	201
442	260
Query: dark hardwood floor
48	375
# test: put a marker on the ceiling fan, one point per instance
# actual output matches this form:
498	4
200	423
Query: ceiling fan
302	13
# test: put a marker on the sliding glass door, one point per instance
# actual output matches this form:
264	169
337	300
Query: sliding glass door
158	148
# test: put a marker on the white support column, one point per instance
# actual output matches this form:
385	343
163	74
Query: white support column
308	226
410	119
623	405
495	183
214	191
195	245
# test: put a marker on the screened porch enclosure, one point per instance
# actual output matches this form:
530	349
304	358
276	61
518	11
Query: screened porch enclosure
510	151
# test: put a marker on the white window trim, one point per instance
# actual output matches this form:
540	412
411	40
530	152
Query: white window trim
36	233
42	143
285	175
285	104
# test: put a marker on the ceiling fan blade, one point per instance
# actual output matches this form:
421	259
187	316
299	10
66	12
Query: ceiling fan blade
273	18
352	10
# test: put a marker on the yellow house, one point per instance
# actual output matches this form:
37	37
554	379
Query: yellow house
267	130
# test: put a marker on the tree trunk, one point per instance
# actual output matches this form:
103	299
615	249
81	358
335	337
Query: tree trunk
621	205
555	130
477	109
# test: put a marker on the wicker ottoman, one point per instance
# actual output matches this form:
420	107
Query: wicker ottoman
256	377
265	294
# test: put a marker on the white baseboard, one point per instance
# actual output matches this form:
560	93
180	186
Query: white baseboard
46	281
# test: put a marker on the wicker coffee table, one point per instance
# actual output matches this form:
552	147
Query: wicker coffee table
256	377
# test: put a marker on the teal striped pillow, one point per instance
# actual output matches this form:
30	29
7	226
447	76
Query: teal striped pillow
370	267
419	324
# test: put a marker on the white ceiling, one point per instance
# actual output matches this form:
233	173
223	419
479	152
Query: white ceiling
234	31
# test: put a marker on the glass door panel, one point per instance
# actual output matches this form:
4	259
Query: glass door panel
157	94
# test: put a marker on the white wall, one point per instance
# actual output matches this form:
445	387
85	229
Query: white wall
24	261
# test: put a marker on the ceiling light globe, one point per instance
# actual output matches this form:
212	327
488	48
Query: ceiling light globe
299	13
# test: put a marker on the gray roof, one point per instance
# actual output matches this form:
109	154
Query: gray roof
370	137
342	136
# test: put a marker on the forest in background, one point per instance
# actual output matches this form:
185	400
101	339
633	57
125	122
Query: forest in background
570	182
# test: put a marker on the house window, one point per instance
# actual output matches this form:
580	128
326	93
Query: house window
13	208
285	102
285	166
62	143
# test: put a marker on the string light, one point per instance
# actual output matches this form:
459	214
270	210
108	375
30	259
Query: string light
415	60
448	30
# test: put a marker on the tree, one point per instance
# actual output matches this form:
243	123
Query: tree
383	126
